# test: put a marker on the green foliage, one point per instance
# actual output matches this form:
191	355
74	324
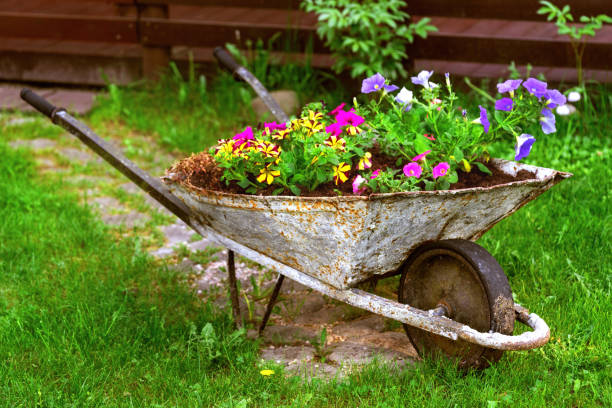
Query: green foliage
577	33
367	36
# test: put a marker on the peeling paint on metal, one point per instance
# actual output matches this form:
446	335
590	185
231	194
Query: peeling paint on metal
345	240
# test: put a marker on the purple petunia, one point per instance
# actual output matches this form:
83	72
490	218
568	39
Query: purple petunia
523	146
390	88
484	119
376	83
510	85
555	98
535	87
373	84
504	104
423	79
548	121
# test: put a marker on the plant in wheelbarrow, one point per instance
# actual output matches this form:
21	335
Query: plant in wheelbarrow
396	184
399	181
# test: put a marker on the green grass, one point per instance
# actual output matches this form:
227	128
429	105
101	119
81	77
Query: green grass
89	320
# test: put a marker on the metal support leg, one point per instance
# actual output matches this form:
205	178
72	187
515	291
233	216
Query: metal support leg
271	302
231	273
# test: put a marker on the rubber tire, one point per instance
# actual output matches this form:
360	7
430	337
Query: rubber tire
482	276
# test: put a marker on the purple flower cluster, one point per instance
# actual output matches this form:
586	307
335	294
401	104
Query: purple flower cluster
376	83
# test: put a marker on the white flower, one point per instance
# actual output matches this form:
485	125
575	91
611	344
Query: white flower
404	96
564	110
573	96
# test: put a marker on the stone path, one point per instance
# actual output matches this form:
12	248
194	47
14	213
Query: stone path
293	337
75	100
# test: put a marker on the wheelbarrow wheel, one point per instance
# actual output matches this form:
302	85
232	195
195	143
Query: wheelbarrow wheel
466	282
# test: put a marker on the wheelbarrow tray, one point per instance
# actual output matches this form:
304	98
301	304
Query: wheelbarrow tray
344	240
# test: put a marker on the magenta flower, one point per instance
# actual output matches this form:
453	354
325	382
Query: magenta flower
338	109
504	104
523	146
510	85
554	98
349	118
440	170
413	170
535	87
548	121
373	84
423	79
357	183
334	129
245	135
484	119
275	126
375	174
420	156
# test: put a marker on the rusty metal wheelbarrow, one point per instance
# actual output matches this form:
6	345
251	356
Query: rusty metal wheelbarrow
453	299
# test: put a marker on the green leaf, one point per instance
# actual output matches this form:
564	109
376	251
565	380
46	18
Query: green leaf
483	168
295	189
244	183
278	191
458	154
453	177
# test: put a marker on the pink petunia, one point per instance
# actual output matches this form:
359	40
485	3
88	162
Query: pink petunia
440	170
245	135
413	170
349	118
357	183
338	109
375	174
334	129
421	156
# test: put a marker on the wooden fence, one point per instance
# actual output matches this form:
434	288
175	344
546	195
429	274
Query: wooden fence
91	41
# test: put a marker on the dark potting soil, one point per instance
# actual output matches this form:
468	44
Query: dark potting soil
200	171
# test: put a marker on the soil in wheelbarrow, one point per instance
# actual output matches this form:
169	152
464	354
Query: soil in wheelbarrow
201	171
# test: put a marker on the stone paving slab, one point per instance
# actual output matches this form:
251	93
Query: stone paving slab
77	101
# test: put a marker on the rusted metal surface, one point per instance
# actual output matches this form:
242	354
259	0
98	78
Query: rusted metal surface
463	280
345	240
426	320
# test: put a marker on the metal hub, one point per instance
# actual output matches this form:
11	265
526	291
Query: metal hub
462	281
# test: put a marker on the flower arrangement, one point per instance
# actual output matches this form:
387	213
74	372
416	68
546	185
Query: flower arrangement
422	141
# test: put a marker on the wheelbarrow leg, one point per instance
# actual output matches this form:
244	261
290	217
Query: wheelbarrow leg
233	286
271	302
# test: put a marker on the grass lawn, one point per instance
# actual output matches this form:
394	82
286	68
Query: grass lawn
87	319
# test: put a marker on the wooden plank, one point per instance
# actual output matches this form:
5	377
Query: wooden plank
501	9
212	33
490	50
68	27
274	4
500	71
73	69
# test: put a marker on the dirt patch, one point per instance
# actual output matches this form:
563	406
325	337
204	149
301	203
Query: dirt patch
200	170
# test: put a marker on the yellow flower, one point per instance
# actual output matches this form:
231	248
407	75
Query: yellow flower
267	175
353	130
336	143
266	373
280	134
466	165
365	162
312	126
312	115
340	172
296	124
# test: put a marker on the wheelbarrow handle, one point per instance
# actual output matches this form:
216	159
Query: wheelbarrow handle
39	103
226	59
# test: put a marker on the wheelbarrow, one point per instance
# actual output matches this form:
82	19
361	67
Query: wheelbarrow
453	298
